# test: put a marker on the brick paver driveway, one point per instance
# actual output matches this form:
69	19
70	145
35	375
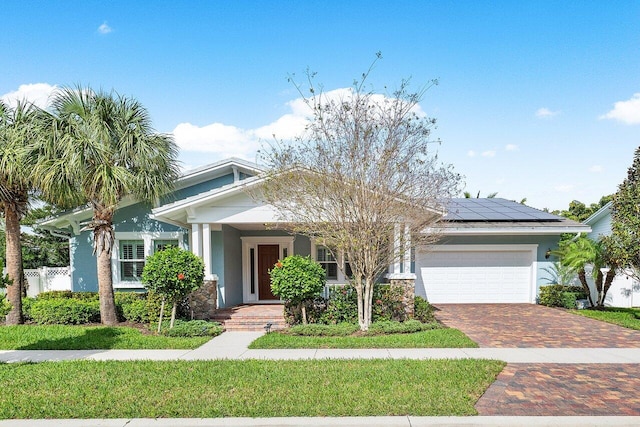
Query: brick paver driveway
530	325
549	389
554	390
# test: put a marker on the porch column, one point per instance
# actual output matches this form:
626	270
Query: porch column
407	251
196	240
396	249
206	248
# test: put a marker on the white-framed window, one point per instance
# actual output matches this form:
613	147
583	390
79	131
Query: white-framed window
327	261
131	260
130	251
331	264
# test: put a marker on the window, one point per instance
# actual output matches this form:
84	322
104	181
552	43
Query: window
159	245
328	262
131	260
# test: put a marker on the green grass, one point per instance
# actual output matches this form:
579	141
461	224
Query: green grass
65	337
250	388
437	338
627	317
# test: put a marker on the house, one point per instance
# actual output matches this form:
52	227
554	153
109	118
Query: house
493	250
624	290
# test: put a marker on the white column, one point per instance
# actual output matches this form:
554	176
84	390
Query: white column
206	249
396	249
196	240
407	251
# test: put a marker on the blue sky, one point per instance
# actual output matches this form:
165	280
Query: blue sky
536	99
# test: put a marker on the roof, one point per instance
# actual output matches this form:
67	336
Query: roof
504	217
494	209
597	215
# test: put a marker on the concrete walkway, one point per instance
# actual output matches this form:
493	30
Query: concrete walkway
233	345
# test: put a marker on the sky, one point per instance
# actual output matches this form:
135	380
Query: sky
535	99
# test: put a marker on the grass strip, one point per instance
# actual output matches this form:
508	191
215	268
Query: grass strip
626	317
437	338
67	337
249	388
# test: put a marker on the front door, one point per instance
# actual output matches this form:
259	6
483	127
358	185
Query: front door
267	257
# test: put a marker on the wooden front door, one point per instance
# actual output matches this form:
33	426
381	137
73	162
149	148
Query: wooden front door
267	257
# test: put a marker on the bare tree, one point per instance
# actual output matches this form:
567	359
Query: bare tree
361	180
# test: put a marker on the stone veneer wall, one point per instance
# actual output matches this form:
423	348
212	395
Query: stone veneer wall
203	302
409	286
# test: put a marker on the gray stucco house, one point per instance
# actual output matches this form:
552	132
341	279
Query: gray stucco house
492	250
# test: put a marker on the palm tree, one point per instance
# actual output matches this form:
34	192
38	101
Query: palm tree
102	149
18	130
467	195
580	253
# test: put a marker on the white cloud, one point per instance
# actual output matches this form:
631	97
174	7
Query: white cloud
545	113
627	112
596	169
489	153
564	188
471	153
38	93
104	28
511	147
226	140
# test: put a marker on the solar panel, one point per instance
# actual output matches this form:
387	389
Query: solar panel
494	210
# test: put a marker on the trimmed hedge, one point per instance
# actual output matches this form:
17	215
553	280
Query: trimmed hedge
64	311
192	328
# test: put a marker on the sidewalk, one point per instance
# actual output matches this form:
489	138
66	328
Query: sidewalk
233	345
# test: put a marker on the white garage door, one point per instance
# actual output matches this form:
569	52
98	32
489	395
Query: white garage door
475	276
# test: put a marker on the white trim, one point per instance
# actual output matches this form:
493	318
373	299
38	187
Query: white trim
206	248
148	239
532	248
550	231
252	242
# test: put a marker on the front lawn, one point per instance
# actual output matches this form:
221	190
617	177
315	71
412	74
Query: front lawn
436	338
66	337
627	317
251	388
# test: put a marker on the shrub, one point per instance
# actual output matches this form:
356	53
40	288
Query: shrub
132	307
388	303
55	295
173	273
296	279
65	311
342	306
317	330
5	307
315	309
193	328
422	310
26	307
394	327
560	295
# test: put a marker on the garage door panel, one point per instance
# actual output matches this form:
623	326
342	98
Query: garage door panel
474	276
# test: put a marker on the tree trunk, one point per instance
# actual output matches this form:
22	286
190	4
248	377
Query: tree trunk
161	314
174	309
105	290
582	276
14	265
304	313
608	280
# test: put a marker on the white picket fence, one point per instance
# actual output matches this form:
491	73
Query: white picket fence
46	279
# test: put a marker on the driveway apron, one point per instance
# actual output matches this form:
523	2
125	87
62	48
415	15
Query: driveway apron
530	325
548	389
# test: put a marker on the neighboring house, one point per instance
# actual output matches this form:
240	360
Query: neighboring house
624	290
493	250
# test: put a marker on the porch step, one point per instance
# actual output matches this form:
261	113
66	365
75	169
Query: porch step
251	317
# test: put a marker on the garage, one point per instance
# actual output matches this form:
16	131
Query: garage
476	274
